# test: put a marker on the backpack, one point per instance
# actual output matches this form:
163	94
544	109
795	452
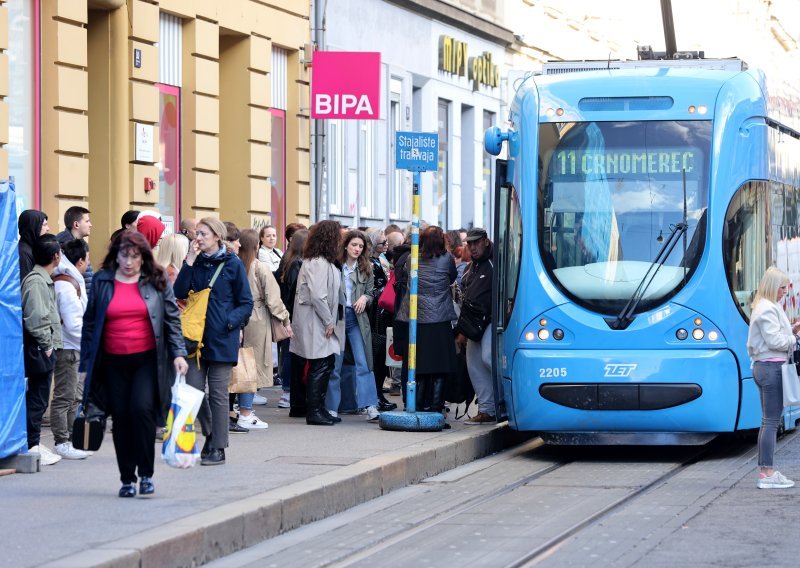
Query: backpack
193	317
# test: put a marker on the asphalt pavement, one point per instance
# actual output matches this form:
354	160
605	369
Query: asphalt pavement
274	480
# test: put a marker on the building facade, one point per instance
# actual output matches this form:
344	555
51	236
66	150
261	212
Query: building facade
191	108
440	72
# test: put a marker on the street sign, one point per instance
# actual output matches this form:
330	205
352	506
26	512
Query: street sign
417	151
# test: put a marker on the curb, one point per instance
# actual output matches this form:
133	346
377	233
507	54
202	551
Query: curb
218	532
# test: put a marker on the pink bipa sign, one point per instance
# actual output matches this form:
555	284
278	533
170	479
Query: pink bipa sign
346	84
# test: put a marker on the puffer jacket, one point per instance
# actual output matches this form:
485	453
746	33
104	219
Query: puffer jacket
434	299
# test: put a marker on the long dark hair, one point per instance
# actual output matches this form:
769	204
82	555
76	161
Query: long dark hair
323	241
248	248
294	251
431	243
364	265
151	271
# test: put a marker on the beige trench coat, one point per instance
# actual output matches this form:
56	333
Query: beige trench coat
316	306
258	332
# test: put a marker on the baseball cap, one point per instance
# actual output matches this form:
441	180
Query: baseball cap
476	235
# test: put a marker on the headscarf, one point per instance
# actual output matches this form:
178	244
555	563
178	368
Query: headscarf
151	228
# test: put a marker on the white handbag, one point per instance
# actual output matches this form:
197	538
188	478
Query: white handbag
791	382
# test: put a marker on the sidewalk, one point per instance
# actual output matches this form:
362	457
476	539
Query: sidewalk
274	480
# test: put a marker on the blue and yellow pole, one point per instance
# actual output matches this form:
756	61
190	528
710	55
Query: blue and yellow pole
411	390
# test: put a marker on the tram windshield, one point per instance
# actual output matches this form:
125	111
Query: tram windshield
610	194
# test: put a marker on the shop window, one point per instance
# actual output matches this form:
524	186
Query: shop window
278	177
169	135
23	101
440	199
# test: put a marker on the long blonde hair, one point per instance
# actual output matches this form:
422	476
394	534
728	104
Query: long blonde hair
172	250
772	280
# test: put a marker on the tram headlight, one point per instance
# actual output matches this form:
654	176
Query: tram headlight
713	335
544	334
558	334
559	112
530	336
698	334
698	322
692	109
550	112
702	109
681	334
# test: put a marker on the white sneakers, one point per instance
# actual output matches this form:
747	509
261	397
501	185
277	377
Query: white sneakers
46	455
252	422
775	481
285	401
372	413
258	399
67	451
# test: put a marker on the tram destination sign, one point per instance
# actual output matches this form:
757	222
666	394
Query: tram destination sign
416	151
581	162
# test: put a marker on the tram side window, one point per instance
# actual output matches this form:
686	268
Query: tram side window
513	253
747	241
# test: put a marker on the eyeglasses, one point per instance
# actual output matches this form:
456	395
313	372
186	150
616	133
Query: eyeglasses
382	243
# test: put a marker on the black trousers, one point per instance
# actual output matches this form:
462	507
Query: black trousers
36	400
132	387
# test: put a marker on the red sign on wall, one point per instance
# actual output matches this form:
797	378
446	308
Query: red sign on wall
346	84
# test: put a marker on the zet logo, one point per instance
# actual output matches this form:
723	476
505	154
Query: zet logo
619	371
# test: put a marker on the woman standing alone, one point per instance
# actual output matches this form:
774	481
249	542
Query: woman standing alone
769	341
131	331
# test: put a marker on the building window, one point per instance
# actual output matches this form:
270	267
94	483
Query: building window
482	218
169	135
398	200
336	167
278	178
440	203
366	167
23	101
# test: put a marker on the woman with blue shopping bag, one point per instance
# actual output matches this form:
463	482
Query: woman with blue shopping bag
131	348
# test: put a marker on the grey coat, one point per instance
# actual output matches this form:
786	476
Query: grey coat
316	306
434	298
364	285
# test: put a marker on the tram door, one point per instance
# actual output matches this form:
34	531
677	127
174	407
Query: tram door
500	304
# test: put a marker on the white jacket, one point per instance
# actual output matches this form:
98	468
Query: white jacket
770	335
271	258
70	306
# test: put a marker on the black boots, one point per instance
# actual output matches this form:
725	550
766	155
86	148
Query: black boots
436	391
297	402
319	372
215	456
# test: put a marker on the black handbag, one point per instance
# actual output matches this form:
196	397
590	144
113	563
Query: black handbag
88	428
473	321
36	361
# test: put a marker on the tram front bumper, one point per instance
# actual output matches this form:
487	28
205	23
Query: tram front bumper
624	391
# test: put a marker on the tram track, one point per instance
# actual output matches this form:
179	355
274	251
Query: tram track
570	491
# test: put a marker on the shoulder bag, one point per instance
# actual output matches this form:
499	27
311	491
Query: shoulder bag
193	317
473	321
791	382
386	299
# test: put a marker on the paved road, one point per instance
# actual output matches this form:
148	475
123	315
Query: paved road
565	507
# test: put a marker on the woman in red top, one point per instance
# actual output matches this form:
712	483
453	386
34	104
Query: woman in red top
131	333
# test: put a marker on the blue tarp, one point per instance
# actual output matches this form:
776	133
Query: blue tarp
13	435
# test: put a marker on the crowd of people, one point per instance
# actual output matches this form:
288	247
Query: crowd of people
330	301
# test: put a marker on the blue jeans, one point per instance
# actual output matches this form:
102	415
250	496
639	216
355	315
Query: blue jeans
767	375
246	400
366	393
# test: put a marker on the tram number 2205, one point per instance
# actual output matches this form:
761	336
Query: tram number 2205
552	372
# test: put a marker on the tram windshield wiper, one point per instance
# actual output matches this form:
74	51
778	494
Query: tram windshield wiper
625	317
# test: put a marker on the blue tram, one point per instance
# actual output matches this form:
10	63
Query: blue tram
635	213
